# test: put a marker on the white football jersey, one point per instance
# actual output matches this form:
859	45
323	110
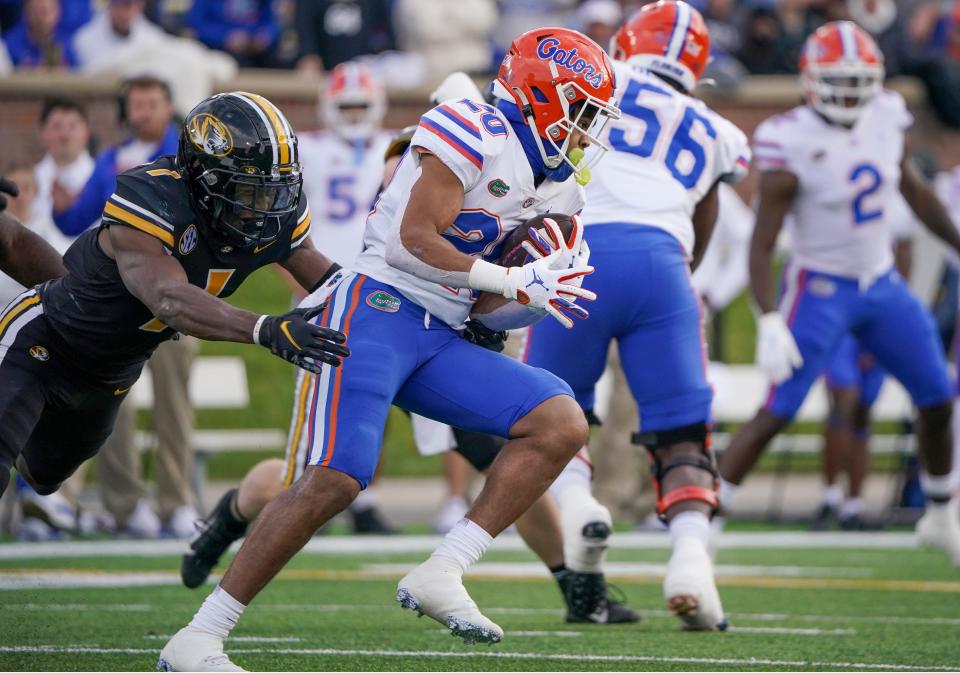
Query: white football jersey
341	181
849	184
479	145
667	150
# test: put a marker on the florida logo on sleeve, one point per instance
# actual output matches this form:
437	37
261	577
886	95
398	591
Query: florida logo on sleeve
211	135
188	240
498	188
383	301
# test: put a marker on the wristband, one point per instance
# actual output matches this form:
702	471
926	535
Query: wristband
334	267
487	277
256	328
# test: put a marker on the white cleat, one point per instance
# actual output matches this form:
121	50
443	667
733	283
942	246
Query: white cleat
454	508
586	526
193	650
435	588
690	590
939	528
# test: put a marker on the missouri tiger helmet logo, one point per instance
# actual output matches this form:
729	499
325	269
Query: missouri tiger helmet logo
210	135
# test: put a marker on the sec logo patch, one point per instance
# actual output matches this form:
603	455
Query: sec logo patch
822	287
188	240
39	353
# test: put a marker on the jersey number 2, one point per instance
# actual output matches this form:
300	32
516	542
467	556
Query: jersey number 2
869	180
685	157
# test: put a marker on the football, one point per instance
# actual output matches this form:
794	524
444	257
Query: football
513	254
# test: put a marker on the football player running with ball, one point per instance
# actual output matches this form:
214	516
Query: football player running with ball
651	208
473	174
176	235
837	164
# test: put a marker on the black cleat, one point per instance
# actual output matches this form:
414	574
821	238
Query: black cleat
371	522
855	522
588	601
214	536
824	519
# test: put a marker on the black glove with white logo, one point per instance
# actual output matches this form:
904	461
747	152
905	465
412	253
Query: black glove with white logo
294	338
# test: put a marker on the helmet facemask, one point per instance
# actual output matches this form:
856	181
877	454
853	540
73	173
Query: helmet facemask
841	92
249	207
581	112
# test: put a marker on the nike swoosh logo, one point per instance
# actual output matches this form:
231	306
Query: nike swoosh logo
283	328
257	248
118	392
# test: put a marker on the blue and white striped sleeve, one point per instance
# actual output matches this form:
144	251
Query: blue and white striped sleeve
453	137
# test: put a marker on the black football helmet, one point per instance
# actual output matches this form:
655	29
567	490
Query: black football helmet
238	157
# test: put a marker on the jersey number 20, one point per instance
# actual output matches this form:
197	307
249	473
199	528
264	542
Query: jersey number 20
685	158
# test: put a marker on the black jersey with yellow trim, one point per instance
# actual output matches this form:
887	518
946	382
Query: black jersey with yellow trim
92	310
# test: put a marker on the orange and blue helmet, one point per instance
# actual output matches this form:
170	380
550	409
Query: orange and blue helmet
669	38
841	71
560	80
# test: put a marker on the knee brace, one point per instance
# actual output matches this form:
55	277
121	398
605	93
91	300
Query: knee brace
698	433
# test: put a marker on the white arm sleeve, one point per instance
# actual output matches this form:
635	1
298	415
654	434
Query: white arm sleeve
510	316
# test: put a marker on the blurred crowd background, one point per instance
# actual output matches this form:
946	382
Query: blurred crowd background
90	88
415	42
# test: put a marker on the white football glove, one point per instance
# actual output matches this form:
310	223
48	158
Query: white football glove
777	351
575	250
539	284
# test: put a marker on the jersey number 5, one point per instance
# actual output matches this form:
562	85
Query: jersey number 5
684	156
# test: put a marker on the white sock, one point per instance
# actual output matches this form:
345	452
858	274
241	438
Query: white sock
851	507
218	614
366	499
725	493
690	524
832	495
465	543
577	473
936	487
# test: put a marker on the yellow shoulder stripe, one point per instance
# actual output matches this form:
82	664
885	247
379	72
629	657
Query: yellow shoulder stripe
302	227
16	310
137	222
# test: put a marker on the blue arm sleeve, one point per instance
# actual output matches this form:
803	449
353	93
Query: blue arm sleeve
88	207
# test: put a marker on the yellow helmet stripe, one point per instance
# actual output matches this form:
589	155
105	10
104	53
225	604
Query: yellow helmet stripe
280	127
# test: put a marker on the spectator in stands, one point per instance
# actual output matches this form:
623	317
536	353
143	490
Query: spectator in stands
765	49
148	109
599	20
64	134
332	32
451	36
74	14
519	16
247	29
36	42
119	25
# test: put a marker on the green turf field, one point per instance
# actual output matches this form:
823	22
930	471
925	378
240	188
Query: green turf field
790	609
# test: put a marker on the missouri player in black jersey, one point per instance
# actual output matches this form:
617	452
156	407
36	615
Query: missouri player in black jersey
177	235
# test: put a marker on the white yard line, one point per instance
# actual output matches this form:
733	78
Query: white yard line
241	639
621	569
495	610
787	631
751	662
396	544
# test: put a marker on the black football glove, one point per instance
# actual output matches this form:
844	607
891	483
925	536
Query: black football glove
477	333
7	187
294	338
